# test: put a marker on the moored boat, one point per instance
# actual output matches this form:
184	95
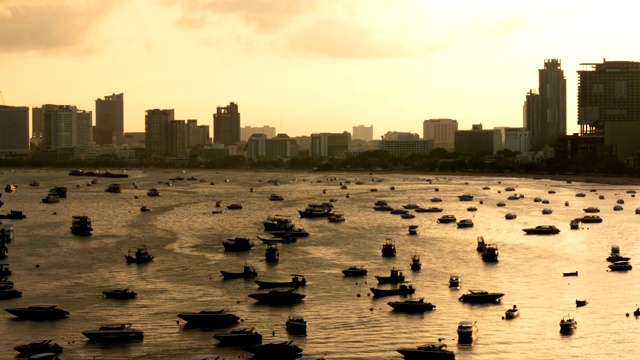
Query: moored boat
296	281
81	225
114	188
237	244
247	272
276	350
542	230
388	248
512	313
354	270
454	281
114	333
620	266
481	297
278	297
40	347
140	256
153	192
296	324
120	294
574	273
447	219
568	324
490	253
411	306
467	332
38	312
465	223
401	290
239	337
209	318
395	277
271	253
431	351
415	263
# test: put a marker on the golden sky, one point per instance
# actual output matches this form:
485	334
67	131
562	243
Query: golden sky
307	66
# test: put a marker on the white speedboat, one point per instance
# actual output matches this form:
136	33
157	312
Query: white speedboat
512	313
114	333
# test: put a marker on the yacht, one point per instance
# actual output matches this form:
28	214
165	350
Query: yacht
354	270
120	294
239	337
447	219
411	306
620	266
590	219
209	318
512	313
81	225
581	195
296	324
336	218
38	312
278	297
436	199
454	281
114	333
467	332
140	256
481	297
434	351
542	230
465	223
389	248
317	210
591	209
568	325
40	347
537	199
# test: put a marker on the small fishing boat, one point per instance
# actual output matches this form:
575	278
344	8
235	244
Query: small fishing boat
415	263
512	313
575	273
580	303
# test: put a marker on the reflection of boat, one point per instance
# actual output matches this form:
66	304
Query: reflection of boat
271	253
120	294
490	253
296	281
401	290
568	324
542	230
411	306
395	277
388	248
435	351
454	281
114	333
41	347
237	244
38	312
247	272
278	297
512	313
480	297
415	263
296	324
467	332
141	255
277	350
239	337
209	318
355	270
81	225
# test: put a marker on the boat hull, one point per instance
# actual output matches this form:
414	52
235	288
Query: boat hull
237	275
209	320
113	337
415	354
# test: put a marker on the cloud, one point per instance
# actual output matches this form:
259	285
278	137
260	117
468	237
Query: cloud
50	26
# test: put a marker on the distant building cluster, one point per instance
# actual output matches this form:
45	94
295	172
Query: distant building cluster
608	115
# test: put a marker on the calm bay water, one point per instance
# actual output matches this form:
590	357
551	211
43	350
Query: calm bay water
186	240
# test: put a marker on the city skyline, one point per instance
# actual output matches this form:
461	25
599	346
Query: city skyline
304	67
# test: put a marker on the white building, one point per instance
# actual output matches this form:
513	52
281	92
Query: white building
362	132
65	127
441	131
247	131
517	140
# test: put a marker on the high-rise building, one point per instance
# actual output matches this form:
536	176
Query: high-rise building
362	132
278	147
545	112
197	134
156	124
110	114
226	125
64	126
441	131
607	92
247	131
330	144
478	141
176	145
36	122
14	128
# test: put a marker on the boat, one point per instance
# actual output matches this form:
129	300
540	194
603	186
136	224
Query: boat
573	273
638	211
568	324
615	255
284	350
38	312
114	333
537	199
11	188
114	188
401	290
4	270
636	312
436	199
415	263
413	229
411	306
354	270
490	253
464	223
120	294
336	218
275	197
481	297
513	197
317	210
591	209
620	266
411	206
61	191
512	313
620	201
465	197
237	244
51	199
278	222
107	174
239	337
618	208
8	292
547	211
293	232
581	194
34	183
590	219
472	208
388	248
13	215
574	224
542	230
296	281
510	216
153	192
234	206
395	277
35	348
481	244
247	272
454	281
382	208
467	332
271	253
216	211
545	201
278	240
447	219
144	208
81	225
278	297
140	256
501	203
296	324
510	189
580	303
428	209
431	351
209	318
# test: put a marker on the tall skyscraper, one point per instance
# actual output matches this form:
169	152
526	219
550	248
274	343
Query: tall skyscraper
156	124
546	115
607	92
226	125
362	132
177	139
110	114
441	131
64	126
14	128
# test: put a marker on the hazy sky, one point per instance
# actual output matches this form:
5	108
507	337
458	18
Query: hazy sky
307	66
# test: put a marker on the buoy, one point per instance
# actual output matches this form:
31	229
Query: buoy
627	314
358	295
370	309
37	265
